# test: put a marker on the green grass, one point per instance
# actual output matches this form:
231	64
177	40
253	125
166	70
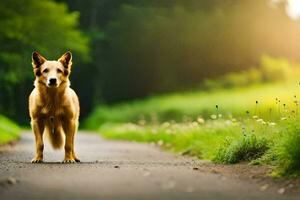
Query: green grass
178	106
188	138
258	124
285	152
225	141
9	131
245	148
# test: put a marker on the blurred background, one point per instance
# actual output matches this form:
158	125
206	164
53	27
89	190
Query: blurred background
132	49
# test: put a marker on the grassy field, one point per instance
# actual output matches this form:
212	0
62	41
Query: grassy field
9	131
258	124
181	106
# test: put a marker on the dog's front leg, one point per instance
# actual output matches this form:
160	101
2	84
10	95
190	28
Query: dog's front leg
69	127
38	129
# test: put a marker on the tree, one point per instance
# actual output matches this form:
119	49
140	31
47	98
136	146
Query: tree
27	25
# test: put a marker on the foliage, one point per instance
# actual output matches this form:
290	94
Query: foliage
9	131
286	151
143	47
265	133
246	148
220	140
270	70
191	138
275	69
28	25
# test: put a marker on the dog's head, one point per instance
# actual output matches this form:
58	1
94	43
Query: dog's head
52	73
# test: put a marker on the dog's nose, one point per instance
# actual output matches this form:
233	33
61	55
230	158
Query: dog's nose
52	81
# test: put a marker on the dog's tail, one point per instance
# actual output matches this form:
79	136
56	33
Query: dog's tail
56	138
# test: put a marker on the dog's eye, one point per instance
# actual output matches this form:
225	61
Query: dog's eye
59	71
46	71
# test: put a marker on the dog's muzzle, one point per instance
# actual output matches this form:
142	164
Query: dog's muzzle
52	82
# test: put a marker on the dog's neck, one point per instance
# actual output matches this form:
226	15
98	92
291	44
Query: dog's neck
51	94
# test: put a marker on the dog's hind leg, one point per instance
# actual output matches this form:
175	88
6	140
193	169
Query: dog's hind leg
73	149
38	129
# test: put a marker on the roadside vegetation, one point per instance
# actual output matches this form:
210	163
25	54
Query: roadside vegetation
9	131
258	123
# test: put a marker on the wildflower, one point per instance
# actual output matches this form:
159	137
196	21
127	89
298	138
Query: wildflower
200	120
228	122
272	123
154	131
220	115
195	124
259	120
165	124
283	118
169	131
255	117
213	116
233	120
142	122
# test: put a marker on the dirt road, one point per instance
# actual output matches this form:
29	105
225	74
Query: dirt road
118	170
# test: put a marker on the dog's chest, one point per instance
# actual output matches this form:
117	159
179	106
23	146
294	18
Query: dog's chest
52	110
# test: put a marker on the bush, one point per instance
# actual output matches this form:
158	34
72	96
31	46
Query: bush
287	149
8	130
270	70
246	148
237	79
274	69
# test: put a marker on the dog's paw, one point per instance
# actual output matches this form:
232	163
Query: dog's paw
36	160
77	160
68	161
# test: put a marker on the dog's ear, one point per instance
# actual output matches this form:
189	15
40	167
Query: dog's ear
37	61
66	60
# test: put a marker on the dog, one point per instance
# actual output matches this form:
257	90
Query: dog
53	106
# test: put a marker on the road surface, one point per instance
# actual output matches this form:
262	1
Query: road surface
113	170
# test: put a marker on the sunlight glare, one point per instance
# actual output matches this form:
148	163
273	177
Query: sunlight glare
293	9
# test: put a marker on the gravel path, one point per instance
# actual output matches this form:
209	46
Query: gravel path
117	170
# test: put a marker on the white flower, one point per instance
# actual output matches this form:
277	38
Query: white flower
166	124
194	124
272	123
260	120
213	116
200	120
142	122
160	143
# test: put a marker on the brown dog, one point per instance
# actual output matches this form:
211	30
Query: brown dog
53	105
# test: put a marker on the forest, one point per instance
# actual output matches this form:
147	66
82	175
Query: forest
131	49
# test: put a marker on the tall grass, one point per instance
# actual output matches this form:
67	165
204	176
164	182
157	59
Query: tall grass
285	153
9	131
